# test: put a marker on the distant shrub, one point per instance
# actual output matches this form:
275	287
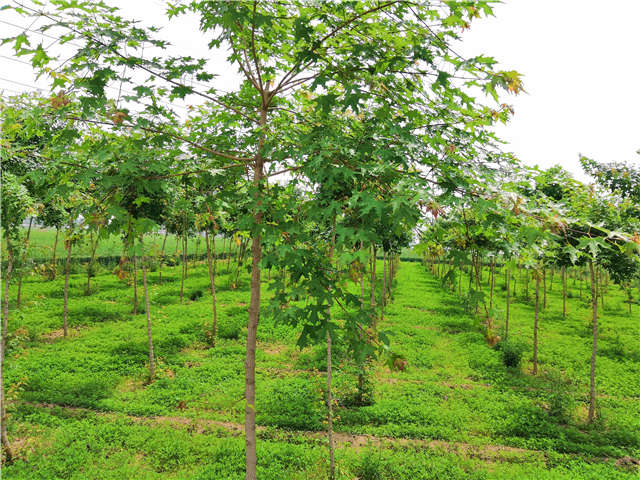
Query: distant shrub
355	390
560	399
196	295
512	353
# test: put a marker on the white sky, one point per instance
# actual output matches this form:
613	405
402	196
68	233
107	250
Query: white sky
580	60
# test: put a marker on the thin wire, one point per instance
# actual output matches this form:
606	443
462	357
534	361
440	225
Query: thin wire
38	33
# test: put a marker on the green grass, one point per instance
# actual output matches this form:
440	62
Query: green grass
79	407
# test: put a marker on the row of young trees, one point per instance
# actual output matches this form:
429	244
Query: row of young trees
536	224
348	118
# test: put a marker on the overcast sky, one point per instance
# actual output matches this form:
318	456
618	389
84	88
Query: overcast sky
580	60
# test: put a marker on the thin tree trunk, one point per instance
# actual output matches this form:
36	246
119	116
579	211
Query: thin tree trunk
594	350
22	262
535	325
94	248
243	248
506	323
214	331
53	261
362	274
66	287
135	284
164	242
198	239
384	282
254	318
186	255
152	366
229	256
544	288
602	288
5	322
564	291
491	281
372	298
332	467
184	273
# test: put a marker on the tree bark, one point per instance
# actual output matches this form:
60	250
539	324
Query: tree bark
5	322
164	242
230	248
214	332
491	281
535	325
332	467
94	248
372	299
386	274
184	273
544	288
254	316
23	260
135	284
508	312
53	261
152	366
594	350
564	291
66	287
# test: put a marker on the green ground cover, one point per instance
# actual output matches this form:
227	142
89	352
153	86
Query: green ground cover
80	408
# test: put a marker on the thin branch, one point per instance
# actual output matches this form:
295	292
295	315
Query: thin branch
171	134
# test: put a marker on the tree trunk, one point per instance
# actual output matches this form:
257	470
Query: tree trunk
383	300
198	239
66	287
229	256
243	248
214	331
594	350
53	261
535	325
22	262
5	322
492	281
564	291
602	288
332	467
544	288
186	255
94	248
386	276
372	298
506	323
362	274
135	284
184	273
164	242
152	366
254	317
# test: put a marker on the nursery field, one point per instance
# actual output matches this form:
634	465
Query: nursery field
80	407
42	241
